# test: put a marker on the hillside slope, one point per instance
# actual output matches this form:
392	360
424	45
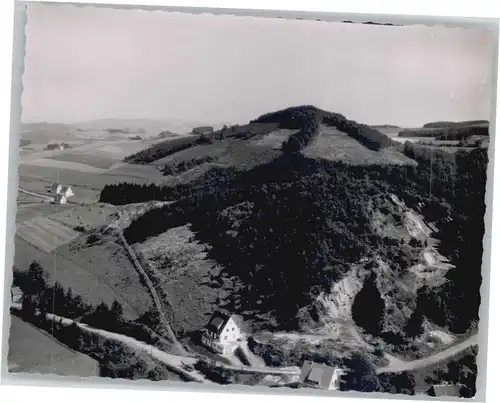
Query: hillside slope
338	236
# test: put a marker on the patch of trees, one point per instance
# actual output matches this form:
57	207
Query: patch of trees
305	136
455	124
164	149
118	131
186	165
461	371
214	372
126	193
360	376
463	133
397	383
55	146
368	307
447	133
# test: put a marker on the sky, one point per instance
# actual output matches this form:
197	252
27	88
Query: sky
86	63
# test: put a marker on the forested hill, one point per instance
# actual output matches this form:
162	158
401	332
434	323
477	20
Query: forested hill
294	226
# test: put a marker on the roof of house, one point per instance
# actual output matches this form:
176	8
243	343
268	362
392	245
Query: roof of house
446	390
16	291
217	321
320	375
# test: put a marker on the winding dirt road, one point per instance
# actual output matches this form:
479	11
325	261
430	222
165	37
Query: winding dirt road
397	365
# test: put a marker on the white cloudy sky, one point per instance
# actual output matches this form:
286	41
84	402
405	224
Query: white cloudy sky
92	63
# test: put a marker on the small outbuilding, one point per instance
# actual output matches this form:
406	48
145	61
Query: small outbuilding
320	376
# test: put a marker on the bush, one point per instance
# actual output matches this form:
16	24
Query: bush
402	383
360	375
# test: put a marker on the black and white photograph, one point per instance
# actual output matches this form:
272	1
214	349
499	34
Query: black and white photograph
275	203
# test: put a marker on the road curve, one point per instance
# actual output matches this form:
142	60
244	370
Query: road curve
400	366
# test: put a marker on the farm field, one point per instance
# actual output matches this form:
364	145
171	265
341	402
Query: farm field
33	351
63	165
60	267
95	161
184	272
45	234
335	145
94	216
49	175
106	261
40	210
133	173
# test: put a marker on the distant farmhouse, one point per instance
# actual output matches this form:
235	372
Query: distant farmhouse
319	376
61	193
220	332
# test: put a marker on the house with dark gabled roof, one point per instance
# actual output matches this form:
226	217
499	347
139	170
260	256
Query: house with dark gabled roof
320	376
220	332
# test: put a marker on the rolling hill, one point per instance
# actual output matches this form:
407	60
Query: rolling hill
306	203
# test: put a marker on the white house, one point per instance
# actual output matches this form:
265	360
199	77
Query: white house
320	376
16	295
61	193
220	332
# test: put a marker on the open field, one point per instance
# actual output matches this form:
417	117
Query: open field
97	270
335	145
45	234
50	174
40	210
94	161
133	173
106	261
184	271
60	267
65	165
94	216
33	351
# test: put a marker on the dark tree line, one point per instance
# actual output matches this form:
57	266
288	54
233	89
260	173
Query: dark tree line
164	149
